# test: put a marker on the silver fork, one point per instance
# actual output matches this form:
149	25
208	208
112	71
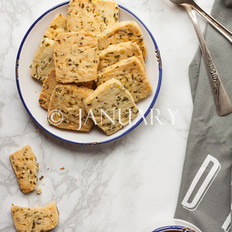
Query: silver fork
222	101
226	33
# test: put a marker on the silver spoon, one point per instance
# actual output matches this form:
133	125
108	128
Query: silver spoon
222	102
227	34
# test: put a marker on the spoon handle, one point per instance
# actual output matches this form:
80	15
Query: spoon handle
223	104
227	34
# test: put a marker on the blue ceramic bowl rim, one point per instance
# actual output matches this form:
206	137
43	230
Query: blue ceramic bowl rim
166	228
90	143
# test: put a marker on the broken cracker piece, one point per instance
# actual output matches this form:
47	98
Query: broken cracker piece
25	167
35	219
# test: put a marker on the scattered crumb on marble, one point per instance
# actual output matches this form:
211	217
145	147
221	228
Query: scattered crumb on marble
41	178
43	184
39	191
62	168
36	131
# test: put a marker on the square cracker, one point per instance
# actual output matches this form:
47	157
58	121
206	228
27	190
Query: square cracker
56	27
66	109
42	62
114	53
76	57
112	106
50	84
91	15
131	73
35	219
25	167
122	32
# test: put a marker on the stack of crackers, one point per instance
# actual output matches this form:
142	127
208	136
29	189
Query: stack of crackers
92	68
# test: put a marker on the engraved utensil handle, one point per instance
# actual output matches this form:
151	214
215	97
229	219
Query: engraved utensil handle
223	104
227	34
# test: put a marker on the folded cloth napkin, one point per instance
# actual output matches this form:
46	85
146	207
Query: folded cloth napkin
205	193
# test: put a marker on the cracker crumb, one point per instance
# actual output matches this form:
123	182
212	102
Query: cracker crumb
41	178
39	191
62	168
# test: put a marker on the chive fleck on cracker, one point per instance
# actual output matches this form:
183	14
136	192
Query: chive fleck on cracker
91	15
112	105
76	57
114	53
122	32
48	86
43	59
36	219
25	167
66	109
131	73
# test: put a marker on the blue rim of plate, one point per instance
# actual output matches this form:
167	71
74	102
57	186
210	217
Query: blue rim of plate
167	228
89	143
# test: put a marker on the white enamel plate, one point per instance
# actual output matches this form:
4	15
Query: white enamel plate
29	89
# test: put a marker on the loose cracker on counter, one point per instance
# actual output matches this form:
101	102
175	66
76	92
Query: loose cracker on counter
36	219
25	167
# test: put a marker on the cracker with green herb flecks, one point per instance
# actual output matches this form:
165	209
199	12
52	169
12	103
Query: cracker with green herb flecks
114	53
122	32
25	167
91	15
112	105
43	59
56	27
35	219
67	104
48	86
131	73
76	57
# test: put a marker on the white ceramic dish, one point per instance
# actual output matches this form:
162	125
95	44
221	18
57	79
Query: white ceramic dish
175	225
29	89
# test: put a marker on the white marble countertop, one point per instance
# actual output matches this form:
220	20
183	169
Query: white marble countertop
127	185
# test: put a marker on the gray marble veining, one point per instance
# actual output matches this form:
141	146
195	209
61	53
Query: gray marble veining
121	186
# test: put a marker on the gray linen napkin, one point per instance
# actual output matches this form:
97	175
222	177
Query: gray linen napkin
205	192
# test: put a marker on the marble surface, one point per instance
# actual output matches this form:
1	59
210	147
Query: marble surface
127	185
